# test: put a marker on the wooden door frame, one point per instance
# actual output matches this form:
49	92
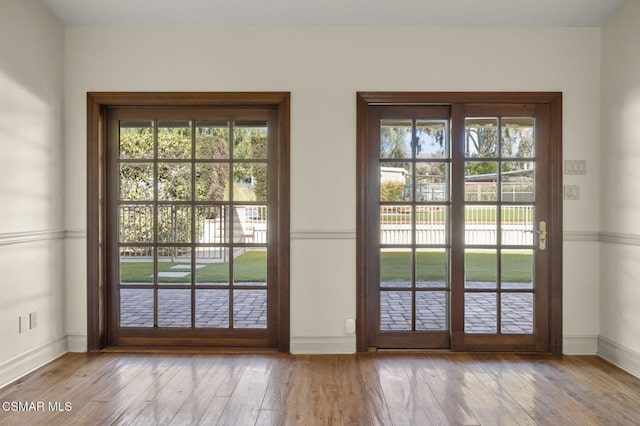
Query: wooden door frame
97	105
364	188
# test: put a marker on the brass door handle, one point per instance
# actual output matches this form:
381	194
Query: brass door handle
542	235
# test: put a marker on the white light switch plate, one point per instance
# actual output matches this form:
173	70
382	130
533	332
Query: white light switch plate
575	167
572	192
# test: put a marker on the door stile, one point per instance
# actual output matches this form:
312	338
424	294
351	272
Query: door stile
457	224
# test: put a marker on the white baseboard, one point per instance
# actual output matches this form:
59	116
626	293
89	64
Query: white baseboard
323	345
619	355
77	342
25	363
579	345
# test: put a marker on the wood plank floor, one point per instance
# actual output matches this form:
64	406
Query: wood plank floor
367	389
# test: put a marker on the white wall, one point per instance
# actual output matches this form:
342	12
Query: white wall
620	206
31	190
323	68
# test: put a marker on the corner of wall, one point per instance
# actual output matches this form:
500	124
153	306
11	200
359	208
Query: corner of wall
579	345
619	355
77	342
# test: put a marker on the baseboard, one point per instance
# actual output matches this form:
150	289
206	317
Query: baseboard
77	342
579	345
323	345
619	355
25	363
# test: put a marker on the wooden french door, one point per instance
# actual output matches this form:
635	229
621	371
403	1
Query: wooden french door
192	225
455	246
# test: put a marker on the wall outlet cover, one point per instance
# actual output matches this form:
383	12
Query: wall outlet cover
33	320
23	324
350	326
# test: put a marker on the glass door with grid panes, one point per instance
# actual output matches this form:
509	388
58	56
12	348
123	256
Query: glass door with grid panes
458	231
189	194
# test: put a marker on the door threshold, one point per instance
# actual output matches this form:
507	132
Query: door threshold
410	350
187	350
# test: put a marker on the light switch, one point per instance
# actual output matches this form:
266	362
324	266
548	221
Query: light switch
575	167
572	192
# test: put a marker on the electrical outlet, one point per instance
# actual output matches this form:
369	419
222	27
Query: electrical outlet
33	320
350	326
23	324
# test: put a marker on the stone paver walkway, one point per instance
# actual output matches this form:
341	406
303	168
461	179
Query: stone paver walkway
212	308
250	309
480	308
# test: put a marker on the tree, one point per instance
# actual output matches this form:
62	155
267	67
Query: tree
250	143
395	141
173	180
391	191
431	139
212	179
517	142
481	141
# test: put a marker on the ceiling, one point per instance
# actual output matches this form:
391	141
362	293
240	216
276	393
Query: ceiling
332	13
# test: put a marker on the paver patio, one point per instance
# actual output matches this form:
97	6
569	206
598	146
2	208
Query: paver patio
250	306
212	308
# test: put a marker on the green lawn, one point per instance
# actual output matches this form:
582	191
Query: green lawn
396	266
249	267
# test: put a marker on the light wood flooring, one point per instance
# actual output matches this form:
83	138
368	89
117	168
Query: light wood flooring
368	389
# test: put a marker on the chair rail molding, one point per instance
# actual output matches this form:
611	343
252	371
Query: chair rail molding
620	238
331	234
10	238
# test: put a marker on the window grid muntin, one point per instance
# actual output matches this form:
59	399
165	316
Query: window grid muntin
498	203
413	160
193	203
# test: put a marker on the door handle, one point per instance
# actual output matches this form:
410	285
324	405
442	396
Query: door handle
542	235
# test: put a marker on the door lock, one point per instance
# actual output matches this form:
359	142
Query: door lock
542	235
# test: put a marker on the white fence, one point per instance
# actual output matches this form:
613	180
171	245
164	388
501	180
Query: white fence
249	227
480	225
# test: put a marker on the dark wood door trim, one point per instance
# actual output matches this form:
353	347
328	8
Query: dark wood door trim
97	105
365	190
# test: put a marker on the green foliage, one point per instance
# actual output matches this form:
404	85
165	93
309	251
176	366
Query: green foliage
212	180
394	142
173	179
481	141
250	143
481	168
136	182
136	142
260	188
391	191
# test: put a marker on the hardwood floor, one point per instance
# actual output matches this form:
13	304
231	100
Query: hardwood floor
367	389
